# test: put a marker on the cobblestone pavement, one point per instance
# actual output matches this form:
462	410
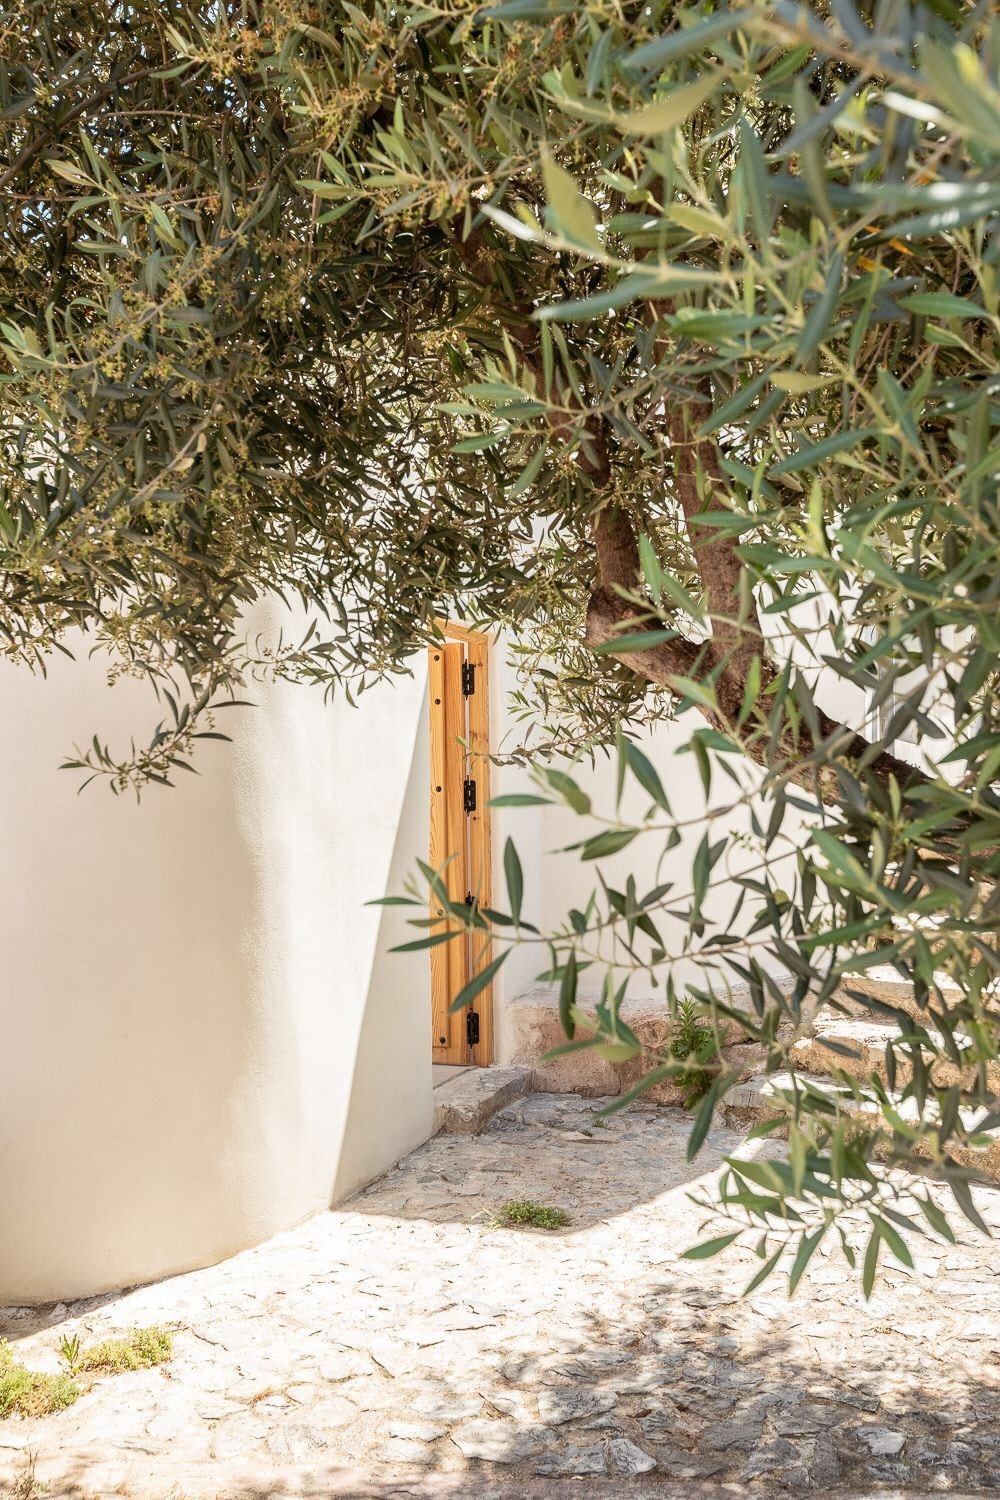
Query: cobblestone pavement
403	1345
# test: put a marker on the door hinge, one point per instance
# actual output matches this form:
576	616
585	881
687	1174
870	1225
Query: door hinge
469	795
472	1027
468	678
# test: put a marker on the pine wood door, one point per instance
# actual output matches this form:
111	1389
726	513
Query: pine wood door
460	837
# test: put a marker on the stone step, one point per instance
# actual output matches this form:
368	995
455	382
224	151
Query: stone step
760	1098
882	983
533	1029
466	1104
826	1051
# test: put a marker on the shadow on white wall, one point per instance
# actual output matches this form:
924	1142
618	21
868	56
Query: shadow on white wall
201	1044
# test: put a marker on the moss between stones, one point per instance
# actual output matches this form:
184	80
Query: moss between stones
136	1351
522	1211
31	1393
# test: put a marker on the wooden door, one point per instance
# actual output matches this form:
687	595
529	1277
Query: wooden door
460	837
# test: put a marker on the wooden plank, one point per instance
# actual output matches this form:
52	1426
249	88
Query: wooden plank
454	720
458	632
438	852
456	876
457	873
480	847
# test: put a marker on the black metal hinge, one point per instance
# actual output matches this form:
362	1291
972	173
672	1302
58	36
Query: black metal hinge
469	795
468	678
472	1027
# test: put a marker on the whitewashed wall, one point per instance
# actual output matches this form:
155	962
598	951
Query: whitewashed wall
525	827
204	1036
557	881
201	1027
569	882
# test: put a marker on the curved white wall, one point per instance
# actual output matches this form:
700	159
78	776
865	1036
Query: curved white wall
201	1038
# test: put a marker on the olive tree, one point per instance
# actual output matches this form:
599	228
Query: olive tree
664	336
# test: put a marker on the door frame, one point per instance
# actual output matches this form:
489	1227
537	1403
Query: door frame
457	715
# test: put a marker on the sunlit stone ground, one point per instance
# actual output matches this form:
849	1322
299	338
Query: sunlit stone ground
405	1345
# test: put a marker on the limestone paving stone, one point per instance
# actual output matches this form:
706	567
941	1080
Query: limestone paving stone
397	1450
627	1458
882	1442
407	1339
680	1464
534	1030
464	1104
742	1432
806	1418
574	1461
668	1424
499	1441
765	1459
422	1432
449	1410
573	1404
510	1403
823	1463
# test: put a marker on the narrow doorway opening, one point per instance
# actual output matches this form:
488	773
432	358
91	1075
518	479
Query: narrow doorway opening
460	840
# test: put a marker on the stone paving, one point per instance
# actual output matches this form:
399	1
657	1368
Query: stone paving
404	1345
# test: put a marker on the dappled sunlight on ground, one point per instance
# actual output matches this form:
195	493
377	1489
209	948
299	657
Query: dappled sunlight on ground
404	1344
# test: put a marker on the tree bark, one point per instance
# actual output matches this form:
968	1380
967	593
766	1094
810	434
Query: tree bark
724	660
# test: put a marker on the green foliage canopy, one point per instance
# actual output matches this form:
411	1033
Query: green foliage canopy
665	335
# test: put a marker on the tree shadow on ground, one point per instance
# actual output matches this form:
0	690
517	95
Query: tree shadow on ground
764	1395
549	1148
563	1356
555	1150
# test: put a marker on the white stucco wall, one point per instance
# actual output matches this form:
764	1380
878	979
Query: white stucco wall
204	1036
556	881
201	1029
524	826
569	881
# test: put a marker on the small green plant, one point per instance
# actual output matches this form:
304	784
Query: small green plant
536	1215
136	1351
26	1485
31	1393
693	1042
70	1348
